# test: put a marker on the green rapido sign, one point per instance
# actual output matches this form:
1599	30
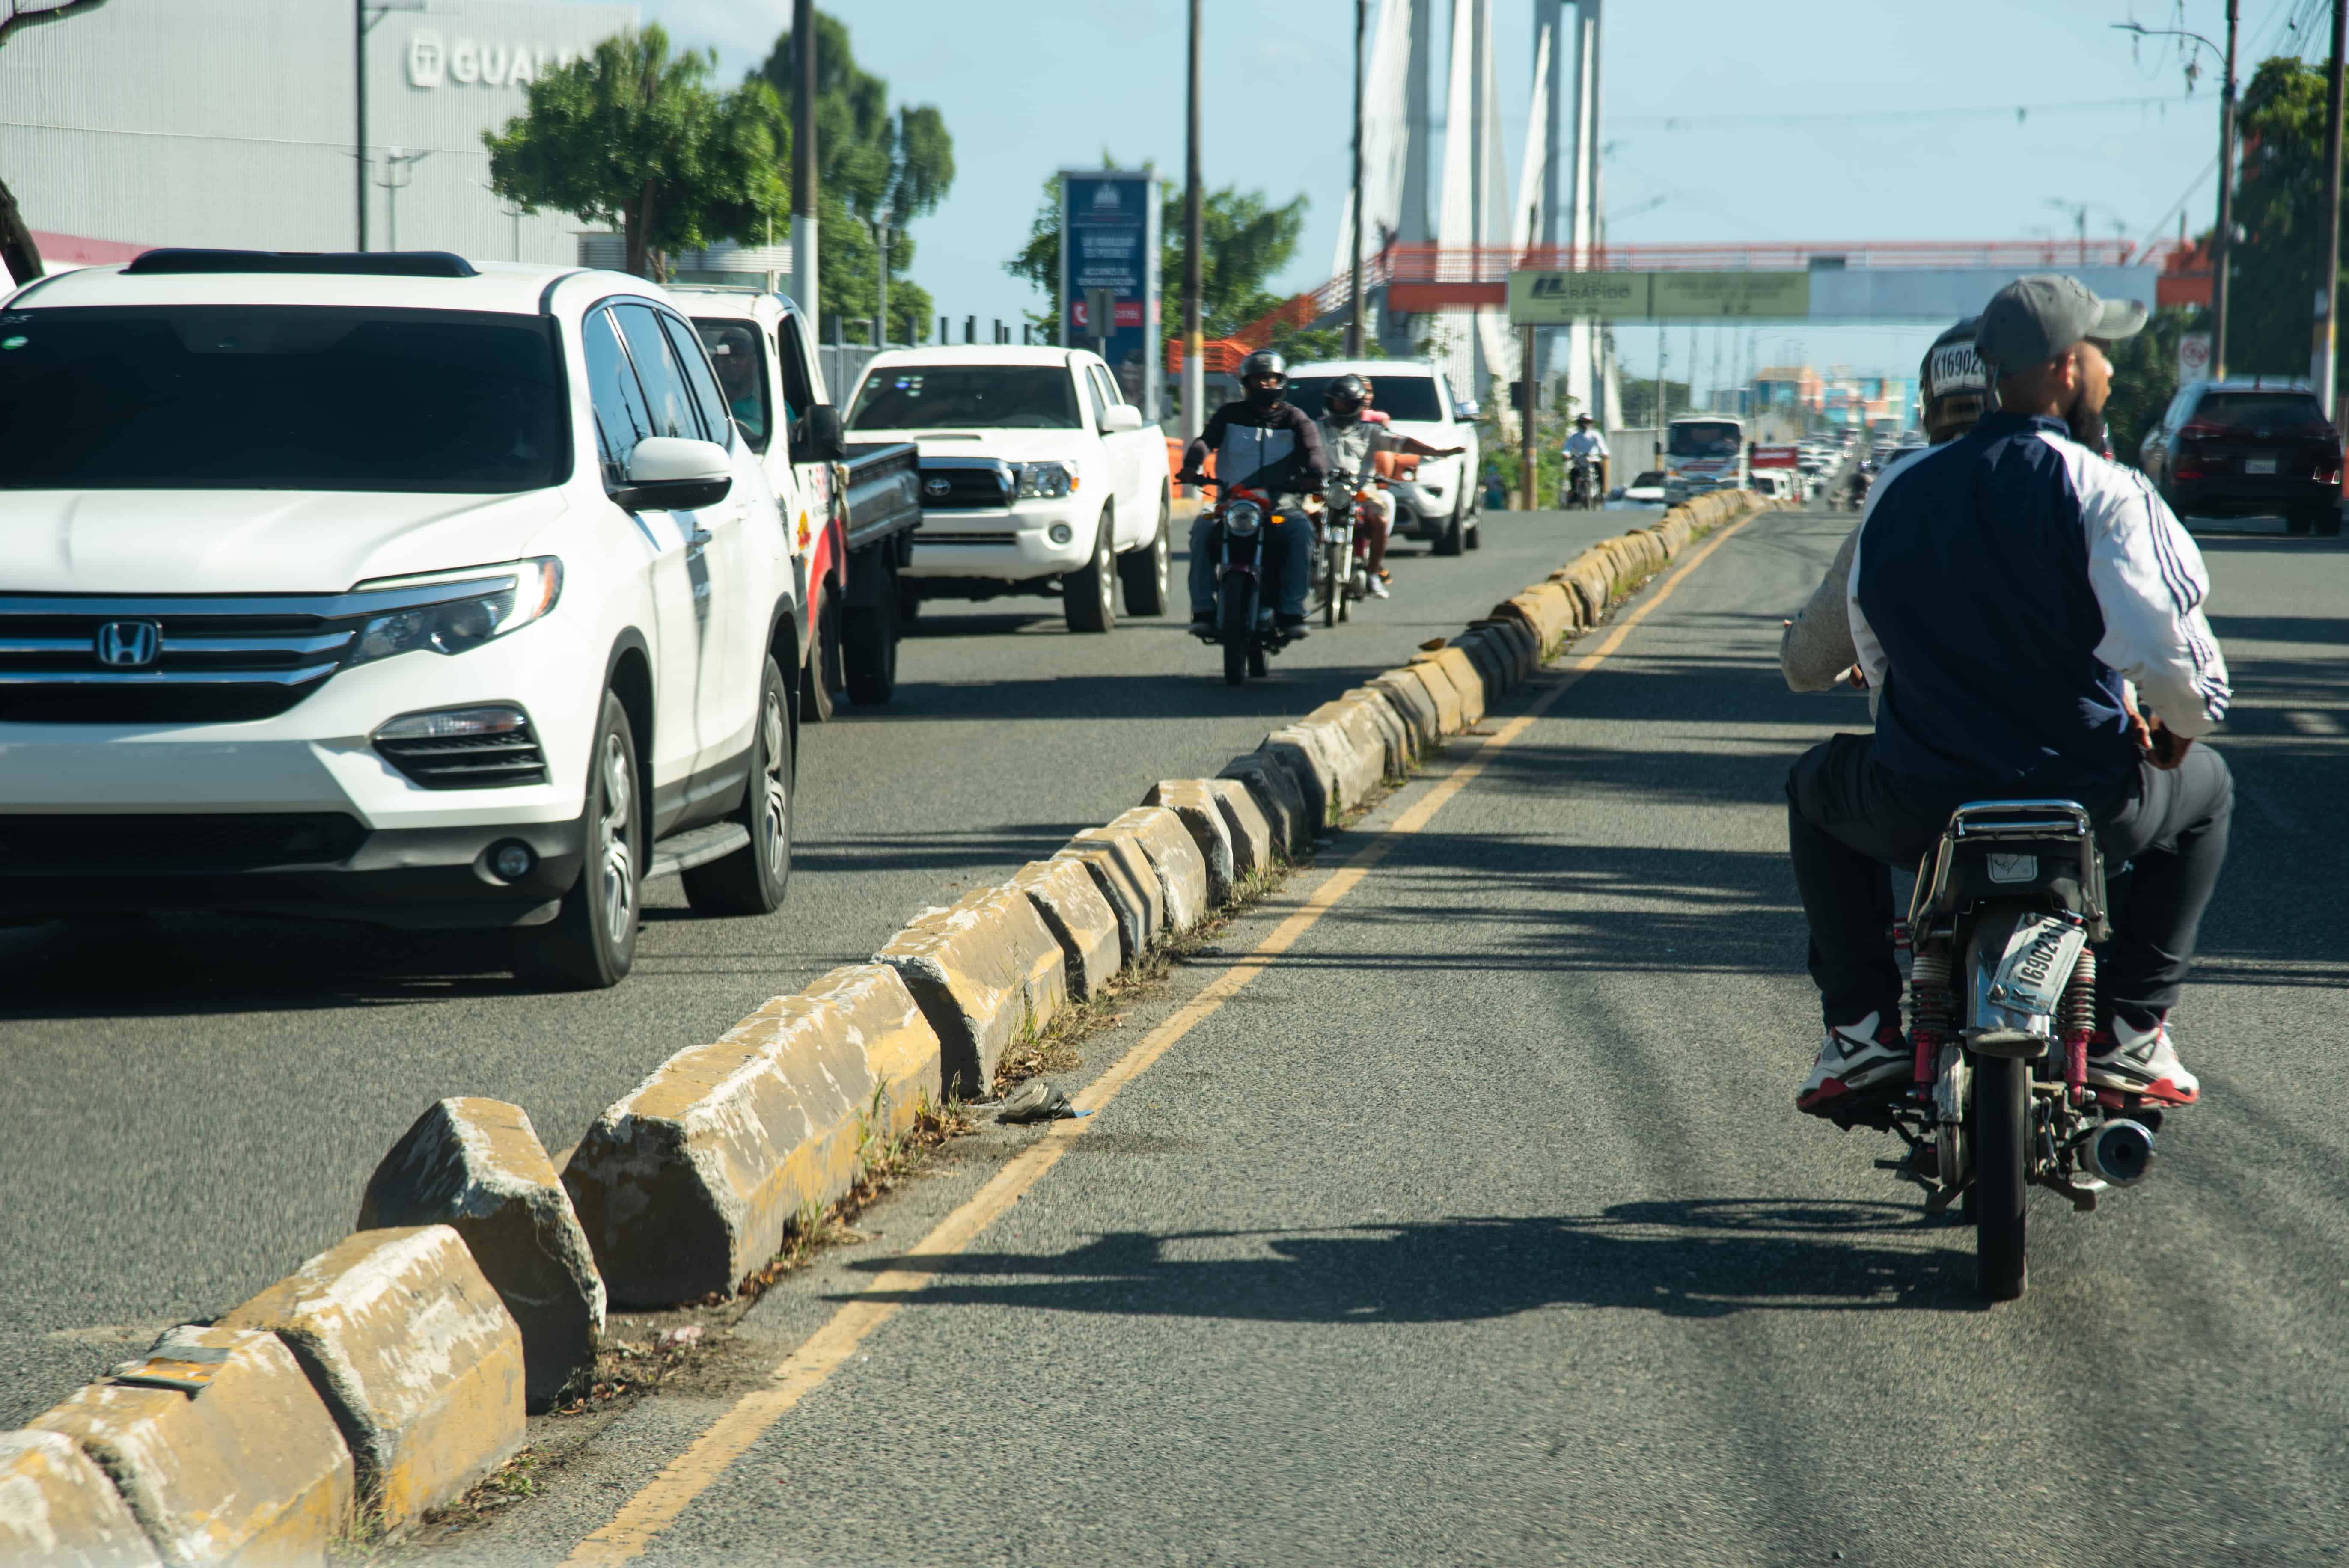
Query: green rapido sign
1543	299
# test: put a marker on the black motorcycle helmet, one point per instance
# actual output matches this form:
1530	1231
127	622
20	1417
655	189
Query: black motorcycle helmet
1347	398
1264	364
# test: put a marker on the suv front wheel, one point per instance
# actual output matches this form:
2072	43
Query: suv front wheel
591	944
751	879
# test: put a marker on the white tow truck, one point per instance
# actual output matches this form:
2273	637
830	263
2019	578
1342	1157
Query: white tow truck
1038	477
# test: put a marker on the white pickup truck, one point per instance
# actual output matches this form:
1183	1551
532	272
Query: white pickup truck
1038	477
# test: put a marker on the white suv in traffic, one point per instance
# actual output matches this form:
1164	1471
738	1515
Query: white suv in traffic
389	588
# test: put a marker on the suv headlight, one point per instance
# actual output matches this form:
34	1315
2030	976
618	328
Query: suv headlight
1045	480
483	604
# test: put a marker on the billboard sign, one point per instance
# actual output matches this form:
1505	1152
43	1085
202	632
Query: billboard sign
1109	255
1777	456
1551	298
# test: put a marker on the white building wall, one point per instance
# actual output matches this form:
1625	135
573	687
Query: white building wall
231	122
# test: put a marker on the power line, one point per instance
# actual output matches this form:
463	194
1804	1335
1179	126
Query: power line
1853	116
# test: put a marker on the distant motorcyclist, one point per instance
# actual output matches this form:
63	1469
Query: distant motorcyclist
1586	445
1352	437
1264	442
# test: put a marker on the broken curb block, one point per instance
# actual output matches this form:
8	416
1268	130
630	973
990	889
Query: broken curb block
1079	917
1310	763
1431	680
985	971
1202	819
477	1165
1467	682
1251	832
1491	665
415	1356
1520	649
249	1467
1277	796
1180	869
1411	702
57	1507
691	1182
1122	874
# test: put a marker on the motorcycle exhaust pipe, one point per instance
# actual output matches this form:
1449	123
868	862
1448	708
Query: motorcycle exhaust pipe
2121	1153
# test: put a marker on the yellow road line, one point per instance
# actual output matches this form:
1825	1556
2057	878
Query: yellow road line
685	1477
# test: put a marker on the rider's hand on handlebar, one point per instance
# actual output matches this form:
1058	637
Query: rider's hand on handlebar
2164	748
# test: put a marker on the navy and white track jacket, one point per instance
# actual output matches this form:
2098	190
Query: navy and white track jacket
2005	585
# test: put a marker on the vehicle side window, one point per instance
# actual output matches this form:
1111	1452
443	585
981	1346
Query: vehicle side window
657	369
1106	384
734	348
716	417
799	392
1092	397
622	417
1443	398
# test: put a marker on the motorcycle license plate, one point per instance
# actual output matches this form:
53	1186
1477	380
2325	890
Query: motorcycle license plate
2263	463
2037	963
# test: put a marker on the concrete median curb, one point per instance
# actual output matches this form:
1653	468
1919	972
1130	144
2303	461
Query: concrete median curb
1203	818
415	1356
1122	874
57	1506
985	970
221	1448
1277	798
1255	849
1079	917
1181	870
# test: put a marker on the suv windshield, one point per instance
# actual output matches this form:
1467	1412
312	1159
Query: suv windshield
1398	396
966	397
280	397
2263	411
1705	440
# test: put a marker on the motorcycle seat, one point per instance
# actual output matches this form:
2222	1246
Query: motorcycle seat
2040	851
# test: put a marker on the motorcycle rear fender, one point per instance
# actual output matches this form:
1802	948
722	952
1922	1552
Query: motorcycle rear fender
2001	1027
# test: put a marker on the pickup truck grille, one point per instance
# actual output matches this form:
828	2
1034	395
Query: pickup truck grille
966	484
966	536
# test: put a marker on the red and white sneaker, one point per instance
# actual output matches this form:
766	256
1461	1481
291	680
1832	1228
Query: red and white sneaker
2142	1063
1857	1057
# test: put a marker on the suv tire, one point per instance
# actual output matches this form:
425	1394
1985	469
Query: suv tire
1453	539
1144	574
591	944
1089	594
752	880
868	645
823	677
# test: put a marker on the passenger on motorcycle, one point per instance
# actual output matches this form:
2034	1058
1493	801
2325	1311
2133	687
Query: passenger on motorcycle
1588	445
1267	443
2006	589
1352	437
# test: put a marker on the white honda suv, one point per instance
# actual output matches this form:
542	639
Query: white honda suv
389	588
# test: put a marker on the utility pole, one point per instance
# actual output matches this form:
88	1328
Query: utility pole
1528	465
804	234
1195	371
2328	295
2226	237
1354	313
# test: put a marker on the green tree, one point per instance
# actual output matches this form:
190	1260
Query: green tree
2278	265
1245	240
870	159
634	137
18	254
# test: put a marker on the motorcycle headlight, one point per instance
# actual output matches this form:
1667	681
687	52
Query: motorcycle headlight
1045	481
482	604
1242	518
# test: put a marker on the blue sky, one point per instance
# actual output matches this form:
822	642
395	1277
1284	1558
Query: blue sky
1827	119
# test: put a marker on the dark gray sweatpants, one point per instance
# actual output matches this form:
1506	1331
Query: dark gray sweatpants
1847	819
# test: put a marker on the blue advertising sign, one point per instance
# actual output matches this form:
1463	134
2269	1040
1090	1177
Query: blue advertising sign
1108	242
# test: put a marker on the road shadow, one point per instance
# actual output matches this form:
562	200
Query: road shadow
1701	1258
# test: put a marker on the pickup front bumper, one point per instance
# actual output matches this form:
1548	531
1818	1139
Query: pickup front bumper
1011	544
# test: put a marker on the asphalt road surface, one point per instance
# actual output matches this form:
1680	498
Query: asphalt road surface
193	1104
1479	1226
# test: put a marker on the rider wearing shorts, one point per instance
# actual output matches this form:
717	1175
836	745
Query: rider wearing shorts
2006	589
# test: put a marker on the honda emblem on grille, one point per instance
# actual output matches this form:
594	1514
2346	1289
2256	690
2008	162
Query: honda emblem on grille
128	645
936	486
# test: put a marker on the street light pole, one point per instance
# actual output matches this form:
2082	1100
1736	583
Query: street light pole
1195	373
365	15
2226	202
2328	291
1354	313
803	175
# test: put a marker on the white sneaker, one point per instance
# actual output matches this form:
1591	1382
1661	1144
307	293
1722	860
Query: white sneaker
1856	1058
2141	1062
1379	587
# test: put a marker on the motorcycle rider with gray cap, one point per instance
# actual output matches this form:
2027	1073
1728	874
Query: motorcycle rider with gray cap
2006	590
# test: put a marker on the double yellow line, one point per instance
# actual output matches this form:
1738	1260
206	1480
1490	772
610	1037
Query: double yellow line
692	1472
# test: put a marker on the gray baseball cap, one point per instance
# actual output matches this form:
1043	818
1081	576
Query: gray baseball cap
2034	319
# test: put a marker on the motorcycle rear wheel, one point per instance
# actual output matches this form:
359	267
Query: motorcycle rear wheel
2002	1152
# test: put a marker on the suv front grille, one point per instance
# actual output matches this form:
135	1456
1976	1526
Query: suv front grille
469	762
31	845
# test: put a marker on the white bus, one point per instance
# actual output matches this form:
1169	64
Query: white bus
1703	452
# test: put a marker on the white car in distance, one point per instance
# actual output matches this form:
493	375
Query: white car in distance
1038	477
385	588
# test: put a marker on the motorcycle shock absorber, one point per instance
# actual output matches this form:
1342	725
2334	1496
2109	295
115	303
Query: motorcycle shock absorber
2077	1017
1932	1010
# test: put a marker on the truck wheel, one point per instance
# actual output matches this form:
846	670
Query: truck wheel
1450	541
1089	594
591	944
868	647
1145	572
1476	533
821	677
751	879
909	602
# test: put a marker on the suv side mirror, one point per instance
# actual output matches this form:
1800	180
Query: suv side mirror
669	474
1464	410
822	440
1123	417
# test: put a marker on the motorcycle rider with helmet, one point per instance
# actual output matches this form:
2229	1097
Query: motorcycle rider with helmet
2005	588
1264	442
1586	445
1353	437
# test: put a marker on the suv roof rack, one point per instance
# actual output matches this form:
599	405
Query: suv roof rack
172	260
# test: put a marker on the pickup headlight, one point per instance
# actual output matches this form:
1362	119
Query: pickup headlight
1045	481
482	604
